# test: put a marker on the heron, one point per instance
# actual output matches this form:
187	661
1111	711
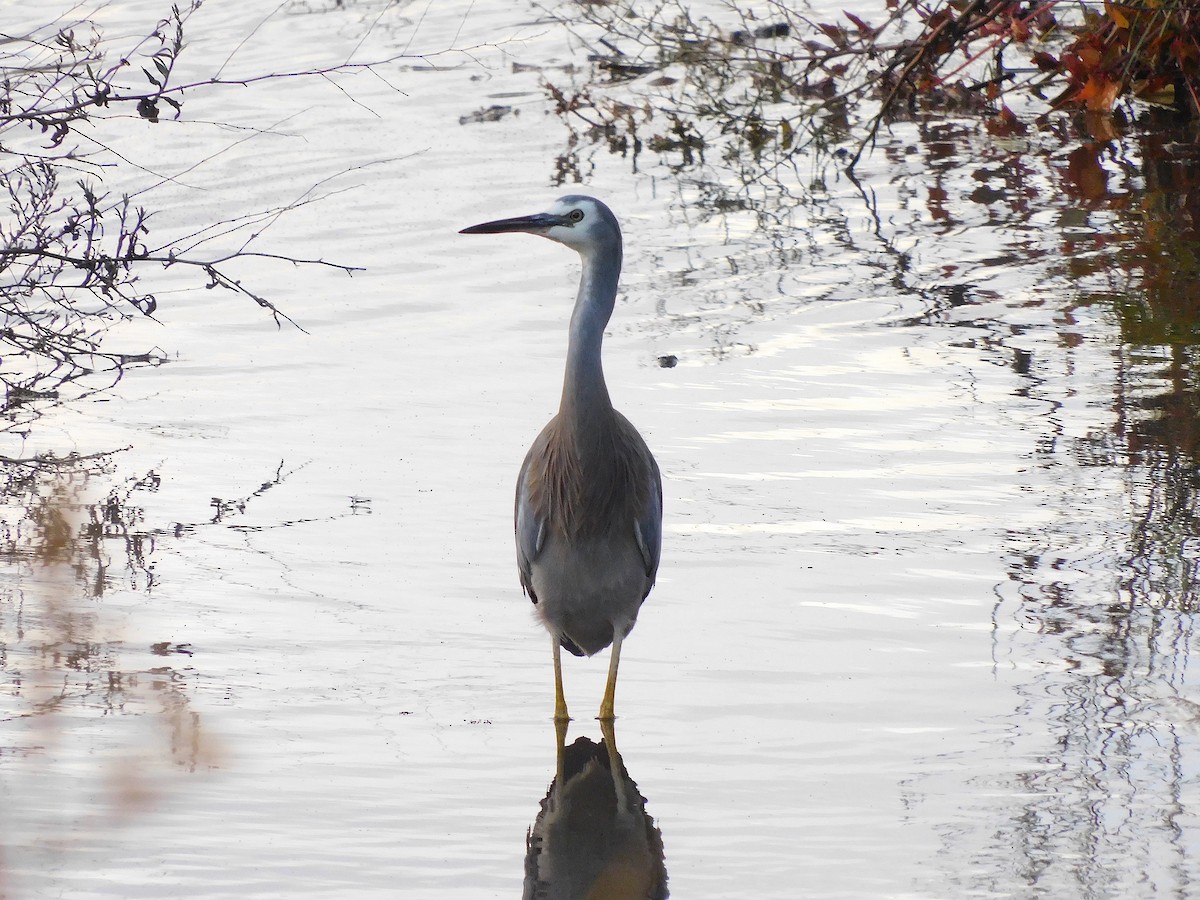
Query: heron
588	510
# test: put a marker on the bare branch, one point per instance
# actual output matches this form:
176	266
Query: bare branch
73	257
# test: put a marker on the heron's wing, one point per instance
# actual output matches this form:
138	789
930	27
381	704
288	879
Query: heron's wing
528	526
648	525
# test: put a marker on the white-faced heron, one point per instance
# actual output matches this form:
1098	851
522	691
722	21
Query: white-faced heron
588	515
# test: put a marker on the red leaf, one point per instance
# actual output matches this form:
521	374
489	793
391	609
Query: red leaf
1073	64
1099	94
1045	61
835	33
863	28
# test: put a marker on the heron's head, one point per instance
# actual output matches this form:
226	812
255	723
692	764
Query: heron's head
582	223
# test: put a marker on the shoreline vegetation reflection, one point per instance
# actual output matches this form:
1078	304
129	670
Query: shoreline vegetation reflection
65	663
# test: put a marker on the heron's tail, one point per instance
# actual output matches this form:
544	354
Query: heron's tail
570	646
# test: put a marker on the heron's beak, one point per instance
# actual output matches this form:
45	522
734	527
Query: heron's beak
535	224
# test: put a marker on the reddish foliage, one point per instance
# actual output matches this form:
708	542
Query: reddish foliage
1149	49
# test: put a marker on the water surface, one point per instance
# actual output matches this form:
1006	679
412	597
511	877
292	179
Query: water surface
924	616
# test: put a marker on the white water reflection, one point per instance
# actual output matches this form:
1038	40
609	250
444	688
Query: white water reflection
888	654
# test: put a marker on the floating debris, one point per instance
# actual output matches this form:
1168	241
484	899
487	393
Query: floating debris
492	113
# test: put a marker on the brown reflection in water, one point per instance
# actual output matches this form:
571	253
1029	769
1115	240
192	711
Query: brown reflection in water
1106	615
592	837
1127	241
1154	274
61	670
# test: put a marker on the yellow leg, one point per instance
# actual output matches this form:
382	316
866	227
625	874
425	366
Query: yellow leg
560	701
610	692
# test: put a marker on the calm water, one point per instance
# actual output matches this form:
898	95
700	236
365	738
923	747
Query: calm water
924	619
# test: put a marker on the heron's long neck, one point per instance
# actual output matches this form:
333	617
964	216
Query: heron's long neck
585	402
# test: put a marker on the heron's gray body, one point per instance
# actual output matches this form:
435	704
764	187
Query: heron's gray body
588	517
588	498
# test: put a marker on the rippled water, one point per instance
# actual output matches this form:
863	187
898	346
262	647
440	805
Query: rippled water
924	618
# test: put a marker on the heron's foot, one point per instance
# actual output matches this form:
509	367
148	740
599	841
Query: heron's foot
607	714
560	710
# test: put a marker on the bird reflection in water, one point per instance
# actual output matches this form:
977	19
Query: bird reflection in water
592	837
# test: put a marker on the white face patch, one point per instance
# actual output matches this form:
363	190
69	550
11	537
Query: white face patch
587	223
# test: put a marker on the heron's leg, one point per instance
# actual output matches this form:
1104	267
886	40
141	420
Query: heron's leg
560	701
610	692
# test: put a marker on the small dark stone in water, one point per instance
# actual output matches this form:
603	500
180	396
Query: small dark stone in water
668	362
166	648
1022	361
492	114
777	30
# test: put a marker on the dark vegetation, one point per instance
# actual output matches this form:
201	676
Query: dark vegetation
75	257
773	82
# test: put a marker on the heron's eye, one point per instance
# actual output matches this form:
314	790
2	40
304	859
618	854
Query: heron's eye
575	215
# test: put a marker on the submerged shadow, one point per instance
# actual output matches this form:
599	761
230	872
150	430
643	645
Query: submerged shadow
592	837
